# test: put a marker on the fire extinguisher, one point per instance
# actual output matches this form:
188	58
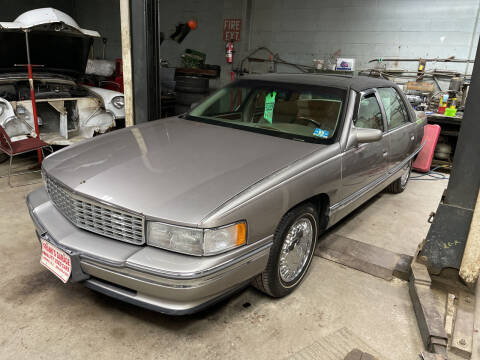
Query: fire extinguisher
229	52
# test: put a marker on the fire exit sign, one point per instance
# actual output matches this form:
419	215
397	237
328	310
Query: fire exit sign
231	29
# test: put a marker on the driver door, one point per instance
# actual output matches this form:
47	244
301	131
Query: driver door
363	164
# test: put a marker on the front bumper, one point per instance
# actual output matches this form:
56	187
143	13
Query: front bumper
142	275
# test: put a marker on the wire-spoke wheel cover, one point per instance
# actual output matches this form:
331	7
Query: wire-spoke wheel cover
406	174
296	249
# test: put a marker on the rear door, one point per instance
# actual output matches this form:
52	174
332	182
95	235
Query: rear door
401	130
362	164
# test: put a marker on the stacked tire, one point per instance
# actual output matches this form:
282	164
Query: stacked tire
189	89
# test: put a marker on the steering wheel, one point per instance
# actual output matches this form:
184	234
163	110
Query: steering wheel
316	123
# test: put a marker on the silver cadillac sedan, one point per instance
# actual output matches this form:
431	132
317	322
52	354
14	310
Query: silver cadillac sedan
175	214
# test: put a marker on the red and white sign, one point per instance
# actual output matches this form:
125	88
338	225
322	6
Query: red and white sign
56	260
232	29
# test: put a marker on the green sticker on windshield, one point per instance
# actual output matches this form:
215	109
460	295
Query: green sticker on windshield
269	105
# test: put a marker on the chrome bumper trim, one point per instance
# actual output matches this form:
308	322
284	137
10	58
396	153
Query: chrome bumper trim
201	278
129	297
245	258
258	249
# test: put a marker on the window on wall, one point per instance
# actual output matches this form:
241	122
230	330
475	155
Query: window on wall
395	109
369	113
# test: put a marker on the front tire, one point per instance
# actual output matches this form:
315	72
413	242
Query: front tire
291	253
401	183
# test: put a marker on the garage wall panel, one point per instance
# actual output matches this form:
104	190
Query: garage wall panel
366	29
207	33
299	30
104	17
208	36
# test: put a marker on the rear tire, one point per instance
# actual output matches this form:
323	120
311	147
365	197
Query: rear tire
191	84
292	251
401	183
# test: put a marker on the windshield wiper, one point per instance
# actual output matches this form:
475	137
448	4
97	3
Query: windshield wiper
267	128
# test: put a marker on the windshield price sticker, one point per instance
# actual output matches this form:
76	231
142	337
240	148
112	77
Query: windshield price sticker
321	133
269	105
57	261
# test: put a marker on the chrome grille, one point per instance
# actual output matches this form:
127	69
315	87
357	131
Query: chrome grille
95	216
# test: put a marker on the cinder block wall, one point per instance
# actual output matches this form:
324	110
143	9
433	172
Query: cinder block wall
303	30
300	30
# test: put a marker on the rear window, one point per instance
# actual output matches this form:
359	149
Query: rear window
395	109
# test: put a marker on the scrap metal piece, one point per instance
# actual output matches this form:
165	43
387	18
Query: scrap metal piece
429	320
463	330
450	312
450	59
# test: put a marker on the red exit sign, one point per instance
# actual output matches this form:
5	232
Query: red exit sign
231	29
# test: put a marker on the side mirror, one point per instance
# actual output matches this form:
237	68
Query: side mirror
368	135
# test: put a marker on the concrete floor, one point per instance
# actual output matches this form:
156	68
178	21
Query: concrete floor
41	318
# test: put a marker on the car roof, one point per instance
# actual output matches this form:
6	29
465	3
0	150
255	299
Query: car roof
355	82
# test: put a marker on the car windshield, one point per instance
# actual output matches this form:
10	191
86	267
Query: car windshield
309	113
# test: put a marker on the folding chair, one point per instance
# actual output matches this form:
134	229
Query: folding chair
15	148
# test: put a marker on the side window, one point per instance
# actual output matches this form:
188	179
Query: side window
395	109
369	114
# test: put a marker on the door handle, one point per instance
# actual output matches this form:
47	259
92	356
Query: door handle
385	154
412	137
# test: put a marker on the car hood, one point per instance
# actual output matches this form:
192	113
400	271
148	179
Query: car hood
56	42
173	169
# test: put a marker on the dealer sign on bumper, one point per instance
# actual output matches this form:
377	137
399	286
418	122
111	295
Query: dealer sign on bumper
56	260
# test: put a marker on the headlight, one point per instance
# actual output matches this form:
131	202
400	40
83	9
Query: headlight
175	238
219	240
118	102
196	241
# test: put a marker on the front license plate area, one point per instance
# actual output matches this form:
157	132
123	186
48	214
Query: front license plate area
56	260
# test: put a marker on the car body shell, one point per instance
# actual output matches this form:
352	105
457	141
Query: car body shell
194	174
62	64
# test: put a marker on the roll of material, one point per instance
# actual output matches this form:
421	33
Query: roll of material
100	67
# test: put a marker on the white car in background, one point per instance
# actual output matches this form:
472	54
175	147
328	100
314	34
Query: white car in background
67	111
